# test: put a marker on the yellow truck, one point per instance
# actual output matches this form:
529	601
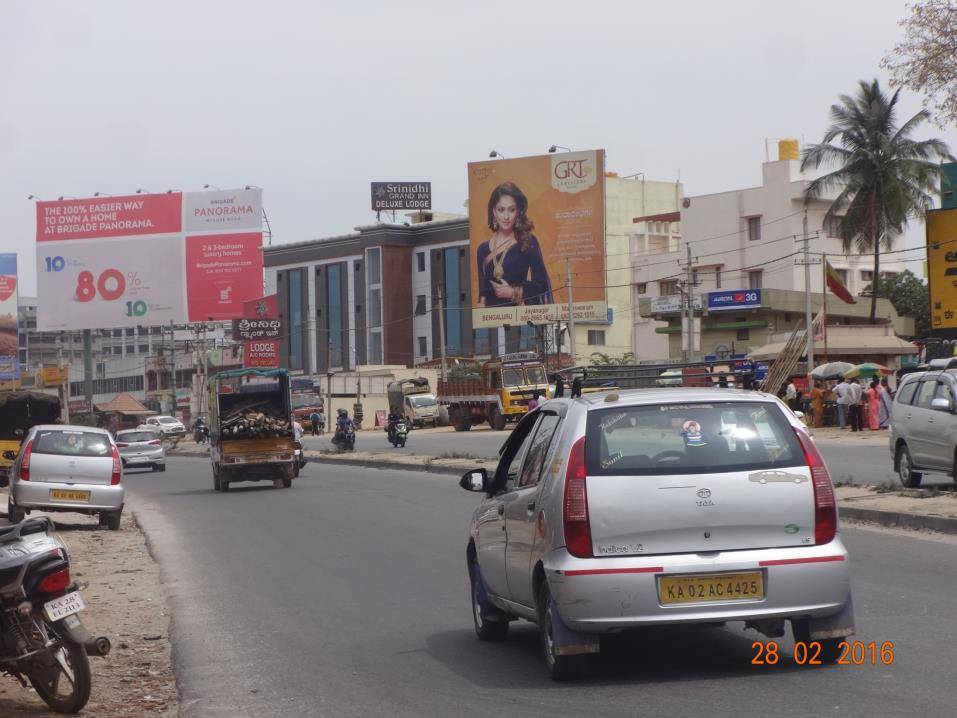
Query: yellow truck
20	410
251	436
500	395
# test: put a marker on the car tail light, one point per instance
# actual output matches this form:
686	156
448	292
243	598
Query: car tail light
575	505
825	506
56	582
25	464
155	442
117	467
121	444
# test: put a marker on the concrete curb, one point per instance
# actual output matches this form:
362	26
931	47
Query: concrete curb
896	519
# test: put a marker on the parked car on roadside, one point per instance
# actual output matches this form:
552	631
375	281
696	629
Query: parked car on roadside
657	507
923	426
168	426
141	449
68	468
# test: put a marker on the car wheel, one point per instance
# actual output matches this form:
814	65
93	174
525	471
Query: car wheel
559	668
113	520
102	518
905	468
162	467
490	623
830	647
14	514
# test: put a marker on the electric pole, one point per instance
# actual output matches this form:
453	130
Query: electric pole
808	321
172	352
571	314
442	331
687	340
88	369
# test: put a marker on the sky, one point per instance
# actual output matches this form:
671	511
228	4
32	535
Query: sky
314	100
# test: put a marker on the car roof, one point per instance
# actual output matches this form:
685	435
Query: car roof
71	427
672	395
138	430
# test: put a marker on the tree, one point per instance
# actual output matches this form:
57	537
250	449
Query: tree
910	297
602	359
884	176
925	61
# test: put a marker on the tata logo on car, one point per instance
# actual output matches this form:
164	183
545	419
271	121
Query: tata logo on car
704	493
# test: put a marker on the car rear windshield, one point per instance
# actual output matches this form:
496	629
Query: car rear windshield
131	436
689	439
71	443
168	420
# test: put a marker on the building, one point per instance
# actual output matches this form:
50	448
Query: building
747	240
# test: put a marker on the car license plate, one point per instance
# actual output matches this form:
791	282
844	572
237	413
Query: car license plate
137	459
711	588
64	606
60	495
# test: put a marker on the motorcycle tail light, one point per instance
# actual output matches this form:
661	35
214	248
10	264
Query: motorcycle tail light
56	581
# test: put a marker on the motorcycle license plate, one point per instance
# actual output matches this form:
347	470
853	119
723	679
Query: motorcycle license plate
64	606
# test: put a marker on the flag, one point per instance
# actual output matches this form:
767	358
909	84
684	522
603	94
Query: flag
820	326
835	284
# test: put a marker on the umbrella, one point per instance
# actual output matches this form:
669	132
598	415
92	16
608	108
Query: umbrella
831	370
867	370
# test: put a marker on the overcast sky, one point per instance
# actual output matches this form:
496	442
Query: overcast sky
313	100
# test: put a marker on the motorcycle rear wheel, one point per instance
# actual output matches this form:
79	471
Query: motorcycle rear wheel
46	680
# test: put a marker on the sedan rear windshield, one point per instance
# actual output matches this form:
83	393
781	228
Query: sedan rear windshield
690	439
133	436
72	443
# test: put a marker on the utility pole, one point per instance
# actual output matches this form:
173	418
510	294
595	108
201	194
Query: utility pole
687	340
172	352
571	313
88	369
442	330
808	321
64	388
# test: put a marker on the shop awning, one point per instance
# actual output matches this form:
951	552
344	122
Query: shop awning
846	344
125	404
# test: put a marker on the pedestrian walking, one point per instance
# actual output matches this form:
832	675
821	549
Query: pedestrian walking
322	422
559	386
855	395
533	402
817	405
874	405
887	401
577	387
314	419
722	381
842	391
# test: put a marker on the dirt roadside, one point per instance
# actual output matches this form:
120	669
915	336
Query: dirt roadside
125	602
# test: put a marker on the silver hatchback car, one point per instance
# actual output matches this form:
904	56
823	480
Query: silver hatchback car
68	468
652	507
141	449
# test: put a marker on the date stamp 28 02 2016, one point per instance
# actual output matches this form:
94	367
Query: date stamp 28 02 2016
850	654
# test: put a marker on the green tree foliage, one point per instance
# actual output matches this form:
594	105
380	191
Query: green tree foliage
884	177
910	297
602	359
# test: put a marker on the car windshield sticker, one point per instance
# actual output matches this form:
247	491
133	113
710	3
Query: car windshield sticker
691	430
612	421
683	407
609	460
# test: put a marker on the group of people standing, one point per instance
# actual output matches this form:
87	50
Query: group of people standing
859	406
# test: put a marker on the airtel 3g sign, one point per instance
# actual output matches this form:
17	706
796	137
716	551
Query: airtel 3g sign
573	172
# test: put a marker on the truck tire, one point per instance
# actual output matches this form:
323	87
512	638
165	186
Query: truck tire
495	419
463	422
217	482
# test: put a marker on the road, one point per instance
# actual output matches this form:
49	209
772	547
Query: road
851	459
346	595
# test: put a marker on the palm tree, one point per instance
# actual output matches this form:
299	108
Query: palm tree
884	175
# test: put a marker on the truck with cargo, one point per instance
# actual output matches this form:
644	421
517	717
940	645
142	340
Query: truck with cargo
19	411
251	436
498	394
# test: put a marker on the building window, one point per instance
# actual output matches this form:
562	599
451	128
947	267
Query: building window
375	347
754	279
375	266
130	349
129	331
669	287
717	278
419	304
156	331
144	348
142	331
453	289
867	275
334	320
744	335
375	308
420	261
423	346
754	229
889	275
295	319
832	226
642	287
596	337
483	340
842	273
117	332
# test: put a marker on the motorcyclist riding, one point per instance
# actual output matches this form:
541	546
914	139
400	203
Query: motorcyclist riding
394	418
200	431
344	426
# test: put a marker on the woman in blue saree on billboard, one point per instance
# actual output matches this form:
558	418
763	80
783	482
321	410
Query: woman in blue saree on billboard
511	270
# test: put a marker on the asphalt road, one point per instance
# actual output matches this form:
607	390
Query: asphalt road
346	595
855	462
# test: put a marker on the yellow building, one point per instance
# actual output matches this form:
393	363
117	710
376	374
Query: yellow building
625	198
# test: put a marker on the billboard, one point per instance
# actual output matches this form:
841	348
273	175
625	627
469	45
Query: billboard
9	336
148	259
734	299
942	268
401	195
527	218
259	329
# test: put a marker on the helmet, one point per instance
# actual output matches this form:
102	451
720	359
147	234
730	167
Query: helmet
343	412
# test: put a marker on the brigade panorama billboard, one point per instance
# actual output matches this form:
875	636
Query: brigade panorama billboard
148	259
527	217
9	335
941	227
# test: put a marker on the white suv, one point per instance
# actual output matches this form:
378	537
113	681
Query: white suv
166	425
924	426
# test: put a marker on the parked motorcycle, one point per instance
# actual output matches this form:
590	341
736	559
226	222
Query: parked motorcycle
42	640
399	434
345	438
